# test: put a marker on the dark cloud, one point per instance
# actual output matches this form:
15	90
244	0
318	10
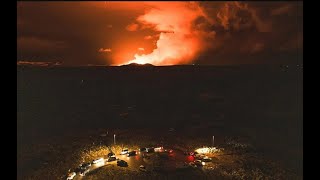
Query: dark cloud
35	44
253	32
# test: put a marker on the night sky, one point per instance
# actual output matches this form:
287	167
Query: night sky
160	33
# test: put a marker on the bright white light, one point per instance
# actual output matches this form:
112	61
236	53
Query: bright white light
203	163
206	150
202	150
158	149
100	163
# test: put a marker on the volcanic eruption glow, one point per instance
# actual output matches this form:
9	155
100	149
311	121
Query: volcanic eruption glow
179	42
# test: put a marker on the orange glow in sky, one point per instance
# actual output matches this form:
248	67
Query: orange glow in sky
159	32
178	42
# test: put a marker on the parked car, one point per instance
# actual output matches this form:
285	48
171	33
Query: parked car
143	149
132	153
99	160
206	159
122	163
125	151
111	154
149	150
142	168
113	158
84	172
158	149
71	175
85	166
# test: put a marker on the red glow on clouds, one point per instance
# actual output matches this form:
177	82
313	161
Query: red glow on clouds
178	42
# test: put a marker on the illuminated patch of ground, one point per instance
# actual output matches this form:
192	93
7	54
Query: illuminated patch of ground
235	160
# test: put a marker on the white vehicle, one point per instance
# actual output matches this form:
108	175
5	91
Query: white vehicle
100	160
71	175
142	168
158	149
125	151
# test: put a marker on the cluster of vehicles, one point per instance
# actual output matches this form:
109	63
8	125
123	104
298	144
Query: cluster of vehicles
144	149
84	168
200	161
196	163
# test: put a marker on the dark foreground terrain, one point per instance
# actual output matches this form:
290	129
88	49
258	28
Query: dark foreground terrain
59	106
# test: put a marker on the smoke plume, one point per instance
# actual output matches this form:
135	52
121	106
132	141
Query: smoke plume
180	40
